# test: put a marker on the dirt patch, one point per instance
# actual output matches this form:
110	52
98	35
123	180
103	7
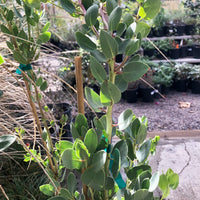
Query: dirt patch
166	114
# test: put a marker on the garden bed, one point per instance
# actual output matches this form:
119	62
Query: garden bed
166	114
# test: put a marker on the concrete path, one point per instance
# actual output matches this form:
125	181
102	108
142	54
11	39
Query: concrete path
180	151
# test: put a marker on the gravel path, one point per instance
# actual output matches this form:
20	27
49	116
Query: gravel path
166	114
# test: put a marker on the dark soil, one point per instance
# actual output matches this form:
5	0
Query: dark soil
166	114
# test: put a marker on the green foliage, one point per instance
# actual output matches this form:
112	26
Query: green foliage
91	15
167	181
92	153
108	44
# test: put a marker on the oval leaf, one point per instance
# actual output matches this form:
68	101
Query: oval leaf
132	47
114	18
109	93
91	15
71	160
68	6
134	70
110	5
121	83
97	70
116	163
108	44
125	119
85	42
149	9
143	151
154	182
93	99
91	140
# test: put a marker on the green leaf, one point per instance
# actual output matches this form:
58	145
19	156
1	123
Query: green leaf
98	55
110	5
44	86
85	42
143	194
131	153
10	15
68	6
120	29
134	58
99	160
91	15
91	140
10	45
114	18
71	160
65	194
1	59
125	119
81	150
4	29
129	33
31	21
120	82
142	28
173	181
165	192
47	189
135	128
109	183
39	81
6	141
154	181
87	3
137	170
97	70
80	121
19	57
33	3
93	179
145	184
109	93
134	70
71	182
44	37
141	134
143	151
93	99
149	9
74	132
132	47
116	163
123	149
108	44
128	19
62	145
123	45
46	27
163	182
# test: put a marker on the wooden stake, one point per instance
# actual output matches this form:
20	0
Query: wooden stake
79	85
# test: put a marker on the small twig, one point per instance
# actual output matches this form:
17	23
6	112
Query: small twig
160	51
122	64
4	193
152	88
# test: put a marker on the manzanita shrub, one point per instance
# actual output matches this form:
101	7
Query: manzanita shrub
108	170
